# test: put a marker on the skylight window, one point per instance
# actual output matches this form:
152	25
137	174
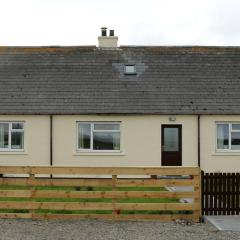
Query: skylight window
130	70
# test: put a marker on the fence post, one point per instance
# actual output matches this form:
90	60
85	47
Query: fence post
31	178
201	195
114	199
199	190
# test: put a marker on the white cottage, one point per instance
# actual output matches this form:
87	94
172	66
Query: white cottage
120	106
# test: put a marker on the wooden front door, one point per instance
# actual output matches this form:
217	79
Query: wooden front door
171	145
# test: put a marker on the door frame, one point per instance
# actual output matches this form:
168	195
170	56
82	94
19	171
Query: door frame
179	126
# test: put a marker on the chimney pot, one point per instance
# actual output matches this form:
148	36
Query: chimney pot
112	33
104	31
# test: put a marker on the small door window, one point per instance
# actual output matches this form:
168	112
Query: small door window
171	143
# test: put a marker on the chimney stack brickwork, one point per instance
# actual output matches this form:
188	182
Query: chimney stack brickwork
105	41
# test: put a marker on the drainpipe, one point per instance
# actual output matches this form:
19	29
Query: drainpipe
201	219
51	140
199	154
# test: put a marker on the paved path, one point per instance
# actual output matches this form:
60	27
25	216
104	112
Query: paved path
182	189
225	223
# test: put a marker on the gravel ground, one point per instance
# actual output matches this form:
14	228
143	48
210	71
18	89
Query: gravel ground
106	230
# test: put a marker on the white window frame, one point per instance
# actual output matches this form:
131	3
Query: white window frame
10	130
91	150
229	137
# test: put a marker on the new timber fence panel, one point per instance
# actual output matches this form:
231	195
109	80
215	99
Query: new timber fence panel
26	193
102	170
220	193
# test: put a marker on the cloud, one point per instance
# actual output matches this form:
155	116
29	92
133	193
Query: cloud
137	22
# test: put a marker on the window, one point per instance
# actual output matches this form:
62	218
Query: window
228	136
130	70
11	136
98	136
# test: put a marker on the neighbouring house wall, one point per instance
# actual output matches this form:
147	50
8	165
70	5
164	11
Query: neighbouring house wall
36	142
211	160
141	141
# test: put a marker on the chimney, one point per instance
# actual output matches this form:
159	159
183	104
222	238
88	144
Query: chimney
105	41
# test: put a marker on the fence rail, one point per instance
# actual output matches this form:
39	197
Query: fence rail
125	193
220	193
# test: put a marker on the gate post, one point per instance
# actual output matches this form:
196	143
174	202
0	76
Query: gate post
202	195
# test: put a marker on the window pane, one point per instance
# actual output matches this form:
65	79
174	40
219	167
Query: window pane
4	129
171	139
235	126
235	140
106	126
130	69
106	141
17	126
84	136
17	140
222	136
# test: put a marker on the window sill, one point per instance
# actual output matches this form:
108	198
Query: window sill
99	154
13	153
226	154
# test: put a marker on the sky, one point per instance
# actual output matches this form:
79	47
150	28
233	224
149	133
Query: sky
136	22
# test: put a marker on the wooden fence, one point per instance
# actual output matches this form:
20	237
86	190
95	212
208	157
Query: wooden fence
61	193
220	193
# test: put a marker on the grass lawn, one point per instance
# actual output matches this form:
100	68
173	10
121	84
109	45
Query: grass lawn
127	200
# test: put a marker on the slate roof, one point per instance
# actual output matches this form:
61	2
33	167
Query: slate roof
88	80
